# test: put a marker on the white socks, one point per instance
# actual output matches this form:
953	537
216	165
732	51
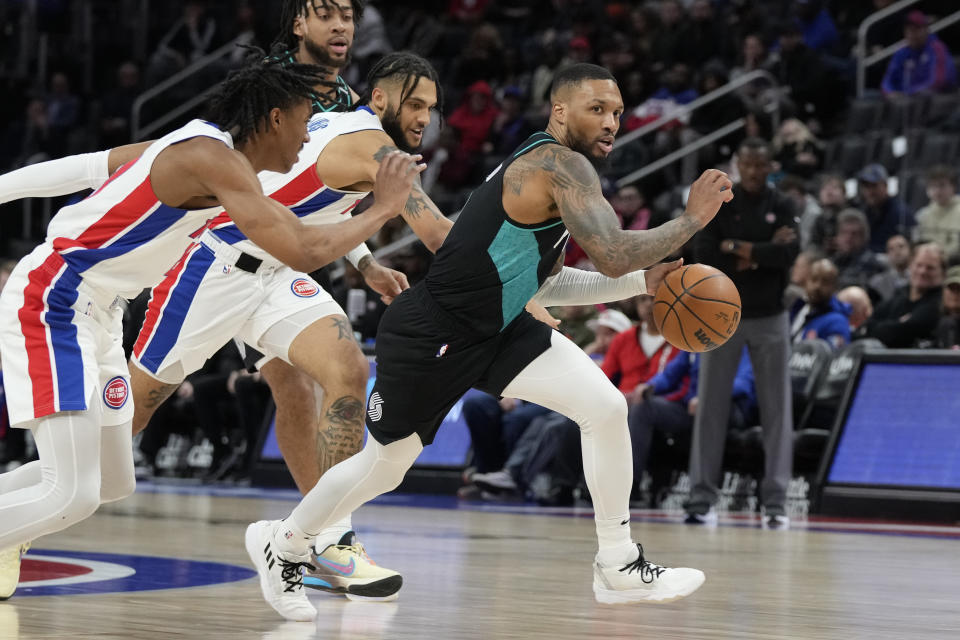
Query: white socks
291	539
616	545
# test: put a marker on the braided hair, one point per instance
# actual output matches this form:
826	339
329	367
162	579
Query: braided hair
242	103
407	68
290	10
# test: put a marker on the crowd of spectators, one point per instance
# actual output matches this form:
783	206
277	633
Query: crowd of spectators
874	257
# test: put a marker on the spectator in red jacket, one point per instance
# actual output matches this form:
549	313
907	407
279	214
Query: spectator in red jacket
473	119
638	354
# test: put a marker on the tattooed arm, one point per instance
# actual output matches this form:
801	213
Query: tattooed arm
424	217
576	193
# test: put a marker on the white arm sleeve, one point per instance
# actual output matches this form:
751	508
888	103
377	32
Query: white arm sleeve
56	177
578	287
357	254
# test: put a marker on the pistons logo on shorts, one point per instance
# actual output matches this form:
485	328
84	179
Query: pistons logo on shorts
303	288
116	392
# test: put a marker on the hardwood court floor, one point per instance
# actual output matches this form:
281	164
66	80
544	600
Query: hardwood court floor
494	574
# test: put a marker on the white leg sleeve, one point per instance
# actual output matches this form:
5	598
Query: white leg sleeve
375	470
21	477
117	477
56	177
69	486
564	379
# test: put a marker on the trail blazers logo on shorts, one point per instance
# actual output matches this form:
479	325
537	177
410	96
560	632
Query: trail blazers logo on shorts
375	408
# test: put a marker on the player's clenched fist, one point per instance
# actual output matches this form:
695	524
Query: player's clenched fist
707	194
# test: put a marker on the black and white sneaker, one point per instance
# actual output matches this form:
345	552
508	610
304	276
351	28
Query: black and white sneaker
774	521
708	518
643	581
281	574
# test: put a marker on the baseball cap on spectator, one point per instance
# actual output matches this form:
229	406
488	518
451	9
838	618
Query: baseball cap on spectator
917	18
480	86
873	173
580	43
953	276
612	319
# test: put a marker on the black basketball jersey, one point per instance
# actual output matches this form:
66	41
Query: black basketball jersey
490	266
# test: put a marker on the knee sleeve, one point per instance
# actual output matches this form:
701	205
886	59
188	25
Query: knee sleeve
393	460
82	504
69	479
608	410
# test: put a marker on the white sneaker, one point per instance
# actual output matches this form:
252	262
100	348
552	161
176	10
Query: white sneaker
10	569
281	574
643	581
774	521
708	519
495	481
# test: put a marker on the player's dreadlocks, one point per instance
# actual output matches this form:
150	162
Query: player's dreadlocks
290	10
407	68
242	103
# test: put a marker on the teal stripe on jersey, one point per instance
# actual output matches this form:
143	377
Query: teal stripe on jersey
513	251
549	138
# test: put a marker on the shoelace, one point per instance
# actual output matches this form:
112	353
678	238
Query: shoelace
292	574
648	571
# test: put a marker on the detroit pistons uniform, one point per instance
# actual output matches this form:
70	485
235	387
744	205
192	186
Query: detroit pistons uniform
225	286
60	319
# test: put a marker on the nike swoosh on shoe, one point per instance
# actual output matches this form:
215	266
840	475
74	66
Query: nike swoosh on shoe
342	569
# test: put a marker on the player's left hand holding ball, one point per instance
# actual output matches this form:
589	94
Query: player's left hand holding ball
655	274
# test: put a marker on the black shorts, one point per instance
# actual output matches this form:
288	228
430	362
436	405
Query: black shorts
426	362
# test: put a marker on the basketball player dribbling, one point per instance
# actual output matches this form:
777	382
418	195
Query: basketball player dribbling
59	317
465	326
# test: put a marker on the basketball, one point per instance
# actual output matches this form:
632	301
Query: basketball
697	308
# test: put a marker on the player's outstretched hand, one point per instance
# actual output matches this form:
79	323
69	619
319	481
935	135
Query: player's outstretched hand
707	194
655	274
395	178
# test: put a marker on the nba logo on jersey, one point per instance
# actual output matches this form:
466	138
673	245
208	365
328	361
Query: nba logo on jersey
116	392
303	288
442	351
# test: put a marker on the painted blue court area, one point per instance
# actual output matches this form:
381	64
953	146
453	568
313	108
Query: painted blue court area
113	573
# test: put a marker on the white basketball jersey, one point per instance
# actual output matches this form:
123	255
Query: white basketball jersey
301	189
121	238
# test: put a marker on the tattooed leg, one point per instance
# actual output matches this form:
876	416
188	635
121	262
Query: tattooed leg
148	394
327	352
296	420
341	431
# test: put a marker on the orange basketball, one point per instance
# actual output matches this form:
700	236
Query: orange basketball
697	308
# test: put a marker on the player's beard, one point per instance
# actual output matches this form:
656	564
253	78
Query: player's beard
391	125
322	57
581	145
